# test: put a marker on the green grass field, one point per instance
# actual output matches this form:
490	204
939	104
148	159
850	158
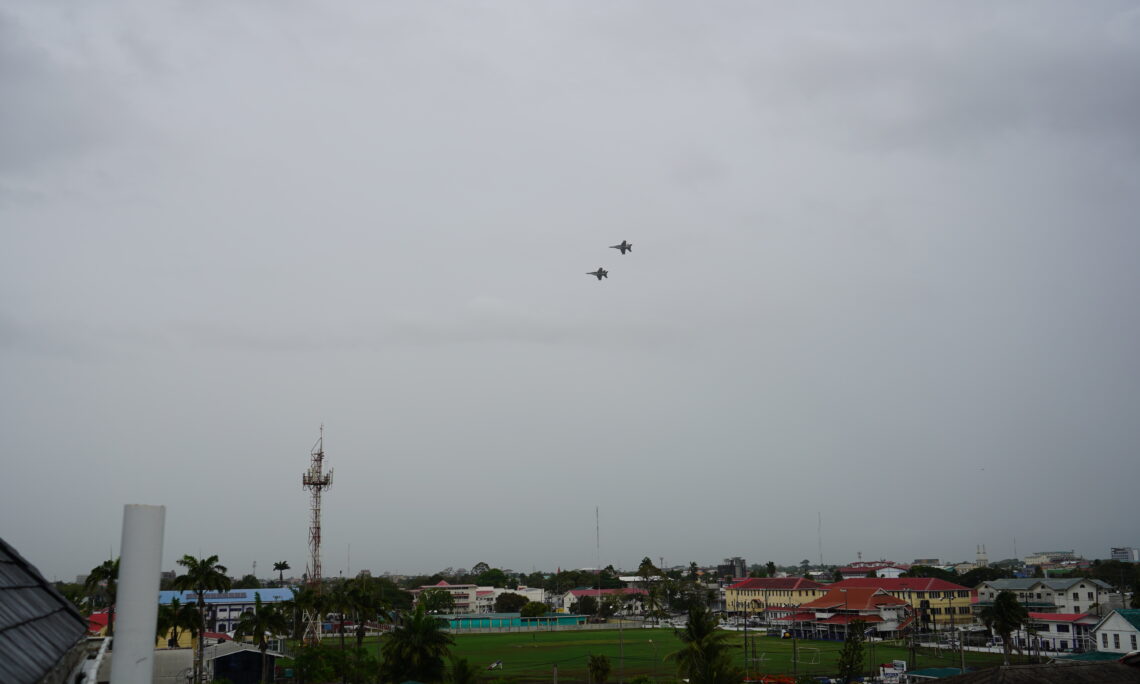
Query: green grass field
531	657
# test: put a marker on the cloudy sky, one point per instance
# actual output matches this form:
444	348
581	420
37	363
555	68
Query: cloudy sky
884	276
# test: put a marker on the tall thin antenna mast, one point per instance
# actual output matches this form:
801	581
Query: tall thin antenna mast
315	481
819	531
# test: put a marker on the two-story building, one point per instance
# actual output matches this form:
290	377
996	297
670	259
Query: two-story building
632	597
833	613
224	608
881	568
1053	595
1118	632
935	602
759	594
1056	632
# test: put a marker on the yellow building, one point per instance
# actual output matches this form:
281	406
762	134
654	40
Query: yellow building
757	594
935	601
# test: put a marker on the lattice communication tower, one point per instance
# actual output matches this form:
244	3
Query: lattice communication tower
316	482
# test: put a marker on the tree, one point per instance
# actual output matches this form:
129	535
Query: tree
851	657
463	672
599	668
509	602
479	568
281	567
492	577
805	567
533	609
367	602
174	617
247	582
436	601
1004	617
416	649
771	568
263	621
103	580
586	605
705	657
202	575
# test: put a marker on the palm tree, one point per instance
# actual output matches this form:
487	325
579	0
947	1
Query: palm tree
366	604
202	575
704	657
463	672
174	617
263	621
104	579
281	567
416	649
599	668
1004	617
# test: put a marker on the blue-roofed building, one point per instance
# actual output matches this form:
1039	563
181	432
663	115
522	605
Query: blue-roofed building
224	608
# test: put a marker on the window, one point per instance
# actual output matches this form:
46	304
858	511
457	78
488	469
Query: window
1104	640
1038	594
1062	628
1090	596
1064	645
1076	596
935	611
963	610
1116	641
1076	608
1133	638
935	594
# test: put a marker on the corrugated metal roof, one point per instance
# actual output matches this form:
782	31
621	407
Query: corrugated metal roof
38	627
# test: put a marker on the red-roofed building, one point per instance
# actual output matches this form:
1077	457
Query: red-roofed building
1057	632
759	594
838	608
933	600
881	568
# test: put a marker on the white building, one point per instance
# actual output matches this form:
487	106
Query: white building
470	598
1118	632
1076	595
1127	554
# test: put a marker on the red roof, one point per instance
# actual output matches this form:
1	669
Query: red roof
1057	617
854	598
902	584
96	622
782	583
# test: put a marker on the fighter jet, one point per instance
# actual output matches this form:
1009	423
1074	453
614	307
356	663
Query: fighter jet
600	273
624	247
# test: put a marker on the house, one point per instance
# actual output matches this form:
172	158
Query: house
934	601
633	597
839	607
43	637
881	568
463	595
1052	595
1118	632
1056	632
759	594
471	598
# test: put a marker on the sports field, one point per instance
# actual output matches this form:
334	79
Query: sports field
532	657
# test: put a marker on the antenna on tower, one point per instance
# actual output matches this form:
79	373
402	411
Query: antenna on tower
819	531
315	481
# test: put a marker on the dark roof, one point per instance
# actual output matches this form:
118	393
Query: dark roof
1056	672
38	627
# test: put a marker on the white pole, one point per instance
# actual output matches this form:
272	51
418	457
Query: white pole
132	657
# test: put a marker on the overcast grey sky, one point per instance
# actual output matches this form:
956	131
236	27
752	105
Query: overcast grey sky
884	271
